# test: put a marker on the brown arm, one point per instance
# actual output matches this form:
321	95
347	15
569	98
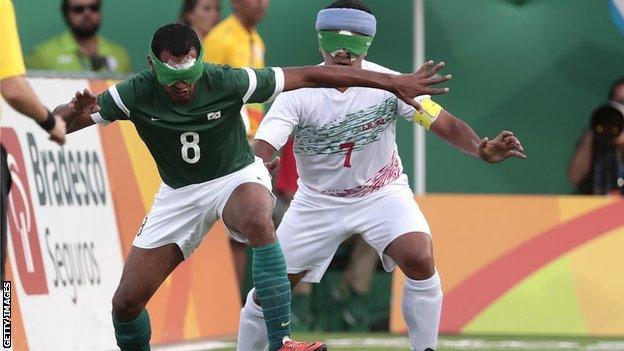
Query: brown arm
404	86
75	121
457	133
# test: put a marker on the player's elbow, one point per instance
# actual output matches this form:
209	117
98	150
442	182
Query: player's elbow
12	90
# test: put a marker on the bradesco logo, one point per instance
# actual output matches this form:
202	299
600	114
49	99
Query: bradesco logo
22	223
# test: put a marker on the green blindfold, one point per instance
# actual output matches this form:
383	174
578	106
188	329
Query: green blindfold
356	45
169	76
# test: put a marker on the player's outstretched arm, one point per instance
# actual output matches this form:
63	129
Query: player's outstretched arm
19	95
405	86
266	151
77	112
459	134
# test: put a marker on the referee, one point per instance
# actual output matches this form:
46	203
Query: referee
19	95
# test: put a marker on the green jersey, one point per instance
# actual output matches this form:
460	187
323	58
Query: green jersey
200	140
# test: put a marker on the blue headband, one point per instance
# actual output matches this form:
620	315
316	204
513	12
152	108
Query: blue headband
347	19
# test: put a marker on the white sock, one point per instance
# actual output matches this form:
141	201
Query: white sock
422	305
252	331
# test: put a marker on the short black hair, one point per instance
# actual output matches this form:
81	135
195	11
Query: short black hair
614	86
349	4
65	7
176	38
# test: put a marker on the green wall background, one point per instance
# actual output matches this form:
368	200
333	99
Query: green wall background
537	68
288	32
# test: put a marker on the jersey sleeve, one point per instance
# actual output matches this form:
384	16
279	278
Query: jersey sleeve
11	60
259	85
116	102
281	120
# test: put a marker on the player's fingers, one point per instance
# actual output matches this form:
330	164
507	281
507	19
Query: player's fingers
437	67
512	139
439	79
506	134
435	91
95	108
516	154
514	143
57	140
271	166
483	142
425	67
410	101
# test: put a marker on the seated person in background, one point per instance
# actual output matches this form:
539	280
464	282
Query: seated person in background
201	15
597	166
80	48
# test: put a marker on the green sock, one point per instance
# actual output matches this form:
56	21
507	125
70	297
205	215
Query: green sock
273	291
134	335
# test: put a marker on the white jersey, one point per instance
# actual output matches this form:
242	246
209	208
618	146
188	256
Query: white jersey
345	142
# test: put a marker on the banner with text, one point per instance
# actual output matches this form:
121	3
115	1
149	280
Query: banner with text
72	214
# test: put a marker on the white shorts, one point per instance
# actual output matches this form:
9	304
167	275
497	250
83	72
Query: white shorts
183	216
315	225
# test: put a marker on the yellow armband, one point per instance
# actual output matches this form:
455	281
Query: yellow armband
431	110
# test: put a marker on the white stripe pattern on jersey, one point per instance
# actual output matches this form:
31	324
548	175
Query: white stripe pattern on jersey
279	82
117	98
253	82
97	118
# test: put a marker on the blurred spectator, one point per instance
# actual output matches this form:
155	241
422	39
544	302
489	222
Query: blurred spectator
597	166
235	42
19	95
201	15
80	48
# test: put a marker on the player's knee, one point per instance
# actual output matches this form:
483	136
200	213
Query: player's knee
419	265
126	307
259	229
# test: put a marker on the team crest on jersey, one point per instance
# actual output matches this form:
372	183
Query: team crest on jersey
213	115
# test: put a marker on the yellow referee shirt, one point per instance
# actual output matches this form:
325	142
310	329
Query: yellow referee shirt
229	43
11	60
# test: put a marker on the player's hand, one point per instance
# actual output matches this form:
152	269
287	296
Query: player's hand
408	86
85	102
505	145
272	166
57	134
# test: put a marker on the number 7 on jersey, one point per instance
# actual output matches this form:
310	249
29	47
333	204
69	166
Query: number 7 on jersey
349	146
